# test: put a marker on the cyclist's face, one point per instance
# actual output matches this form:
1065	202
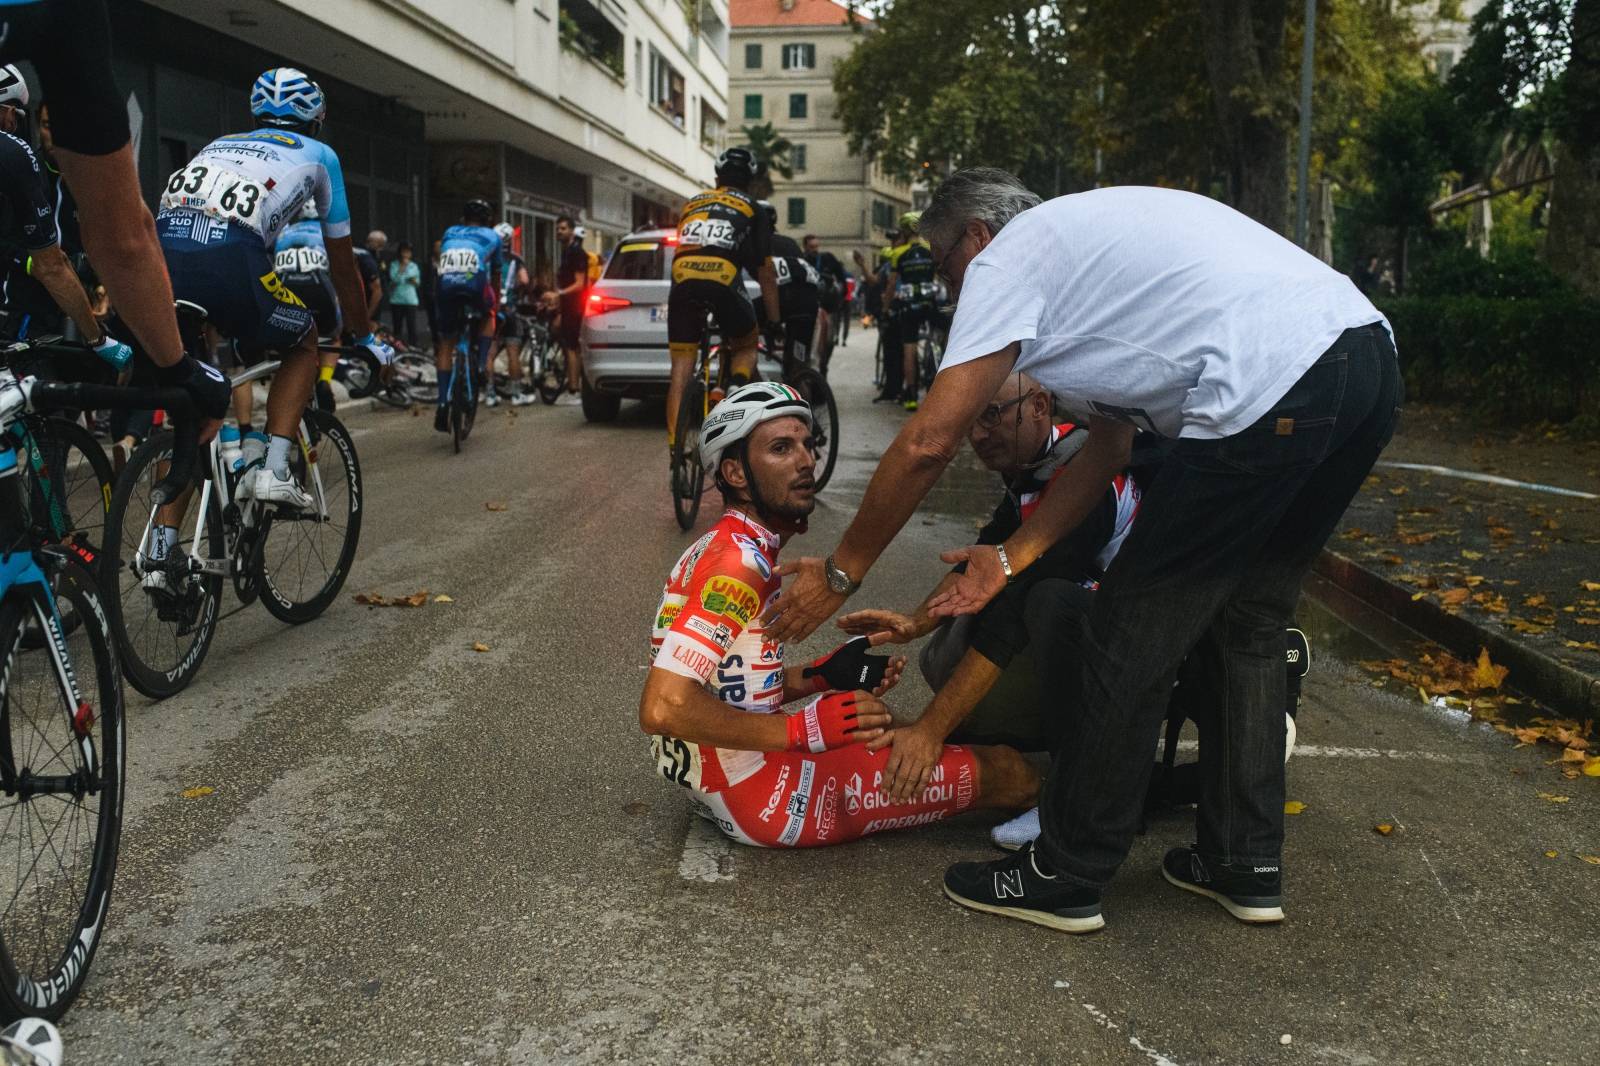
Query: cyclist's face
8	118
783	467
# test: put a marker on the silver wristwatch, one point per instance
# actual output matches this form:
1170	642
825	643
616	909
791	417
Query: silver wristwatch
838	580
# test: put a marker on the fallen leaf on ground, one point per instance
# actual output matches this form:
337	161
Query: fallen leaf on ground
1535	601
196	793
494	505
442	598
1548	798
480	647
1485	674
1383	828
1417	538
1293	807
1590	586
1454	597
374	599
1398	490
1592	860
1522	625
1591	767
1473	580
1492	602
1584	621
1469	554
416	599
1551	854
1585	645
1573	755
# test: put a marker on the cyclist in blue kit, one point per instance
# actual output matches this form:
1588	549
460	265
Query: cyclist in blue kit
469	263
219	222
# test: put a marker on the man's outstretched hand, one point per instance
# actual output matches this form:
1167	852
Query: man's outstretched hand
880	626
983	581
806	603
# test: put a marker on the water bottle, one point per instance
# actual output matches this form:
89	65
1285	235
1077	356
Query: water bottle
228	445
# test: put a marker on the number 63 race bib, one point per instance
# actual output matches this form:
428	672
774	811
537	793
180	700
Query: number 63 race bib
222	194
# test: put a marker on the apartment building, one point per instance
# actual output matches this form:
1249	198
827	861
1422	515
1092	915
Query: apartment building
783	56
1445	29
611	111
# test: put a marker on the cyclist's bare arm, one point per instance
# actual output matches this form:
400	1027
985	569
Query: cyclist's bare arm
890	283
677	706
347	284
905	627
767	278
120	237
49	266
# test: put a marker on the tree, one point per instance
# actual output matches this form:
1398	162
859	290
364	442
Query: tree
1244	52
770	148
1574	242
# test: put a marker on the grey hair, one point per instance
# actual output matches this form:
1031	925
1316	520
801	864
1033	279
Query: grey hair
986	194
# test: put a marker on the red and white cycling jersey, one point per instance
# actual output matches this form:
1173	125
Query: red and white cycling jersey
708	627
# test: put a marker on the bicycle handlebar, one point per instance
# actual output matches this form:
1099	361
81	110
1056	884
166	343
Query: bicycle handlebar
175	401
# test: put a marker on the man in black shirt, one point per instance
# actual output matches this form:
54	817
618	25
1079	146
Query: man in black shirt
799	296
572	278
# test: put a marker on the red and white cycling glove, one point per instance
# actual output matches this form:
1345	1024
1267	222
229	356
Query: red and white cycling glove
847	667
824	723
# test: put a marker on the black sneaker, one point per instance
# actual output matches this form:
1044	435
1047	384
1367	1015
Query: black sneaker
1015	887
1250	894
441	419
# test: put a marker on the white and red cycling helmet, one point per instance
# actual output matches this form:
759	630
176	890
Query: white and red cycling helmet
741	411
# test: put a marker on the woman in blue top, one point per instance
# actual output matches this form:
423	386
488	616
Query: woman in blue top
405	278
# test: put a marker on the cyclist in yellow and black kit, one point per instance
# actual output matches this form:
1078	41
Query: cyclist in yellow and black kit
910	296
720	232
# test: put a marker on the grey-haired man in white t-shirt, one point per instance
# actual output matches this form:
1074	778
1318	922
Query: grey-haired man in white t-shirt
1164	312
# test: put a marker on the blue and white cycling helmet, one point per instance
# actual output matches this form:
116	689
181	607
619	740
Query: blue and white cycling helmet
284	96
741	411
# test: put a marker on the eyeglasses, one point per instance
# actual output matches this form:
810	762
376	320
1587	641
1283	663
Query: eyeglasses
989	418
942	272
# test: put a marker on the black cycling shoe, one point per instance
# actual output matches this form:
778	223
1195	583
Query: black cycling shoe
1016	887
441	419
1250	893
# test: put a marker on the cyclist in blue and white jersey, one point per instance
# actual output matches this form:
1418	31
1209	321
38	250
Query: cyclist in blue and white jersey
301	260
469	266
220	218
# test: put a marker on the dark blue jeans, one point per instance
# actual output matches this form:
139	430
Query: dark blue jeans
1224	538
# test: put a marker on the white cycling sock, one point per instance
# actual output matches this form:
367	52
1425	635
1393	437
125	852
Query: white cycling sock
162	538
278	457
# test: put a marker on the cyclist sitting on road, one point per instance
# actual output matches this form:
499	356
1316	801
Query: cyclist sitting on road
910	296
42	288
719	232
768	777
301	260
220	218
469	263
798	296
513	328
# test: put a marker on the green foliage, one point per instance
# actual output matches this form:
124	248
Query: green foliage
771	148
1529	359
1511	77
1456	270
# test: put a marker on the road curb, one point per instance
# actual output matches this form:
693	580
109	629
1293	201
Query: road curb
1539	675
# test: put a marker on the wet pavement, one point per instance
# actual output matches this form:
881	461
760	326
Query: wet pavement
415	852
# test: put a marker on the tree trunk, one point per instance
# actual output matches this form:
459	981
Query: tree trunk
1573	245
1244	46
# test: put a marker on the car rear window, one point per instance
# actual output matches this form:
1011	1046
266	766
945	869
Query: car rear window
641	260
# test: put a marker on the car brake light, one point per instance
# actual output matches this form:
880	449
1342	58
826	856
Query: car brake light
671	238
599	304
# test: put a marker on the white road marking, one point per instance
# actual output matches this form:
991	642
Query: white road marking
1448	898
1488	479
1149	1052
1324	751
707	854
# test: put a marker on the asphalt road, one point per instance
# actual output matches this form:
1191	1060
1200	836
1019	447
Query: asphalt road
419	853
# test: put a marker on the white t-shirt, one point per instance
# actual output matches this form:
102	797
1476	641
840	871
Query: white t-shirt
1162	308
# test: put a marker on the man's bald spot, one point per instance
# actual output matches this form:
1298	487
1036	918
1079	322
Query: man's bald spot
1016	385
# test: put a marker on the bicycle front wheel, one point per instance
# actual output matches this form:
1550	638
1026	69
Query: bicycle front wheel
163	617
825	417
69	492
305	558
413	379
62	767
688	476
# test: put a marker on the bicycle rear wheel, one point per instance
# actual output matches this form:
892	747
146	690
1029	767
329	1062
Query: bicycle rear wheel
463	403
688	476
62	767
413	380
163	628
825	417
70	492
305	558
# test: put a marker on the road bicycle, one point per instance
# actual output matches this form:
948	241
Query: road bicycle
165	599
688	475
62	730
463	398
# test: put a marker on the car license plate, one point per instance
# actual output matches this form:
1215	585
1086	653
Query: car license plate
658	313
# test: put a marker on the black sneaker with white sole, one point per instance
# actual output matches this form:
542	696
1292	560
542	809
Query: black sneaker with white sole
1017	887
1250	893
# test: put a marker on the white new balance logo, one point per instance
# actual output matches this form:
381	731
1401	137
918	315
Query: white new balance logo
1008	883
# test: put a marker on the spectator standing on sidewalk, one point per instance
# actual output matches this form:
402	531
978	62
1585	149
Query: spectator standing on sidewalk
377	245
1165	311
572	278
405	278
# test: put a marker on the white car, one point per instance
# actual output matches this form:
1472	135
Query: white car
624	334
